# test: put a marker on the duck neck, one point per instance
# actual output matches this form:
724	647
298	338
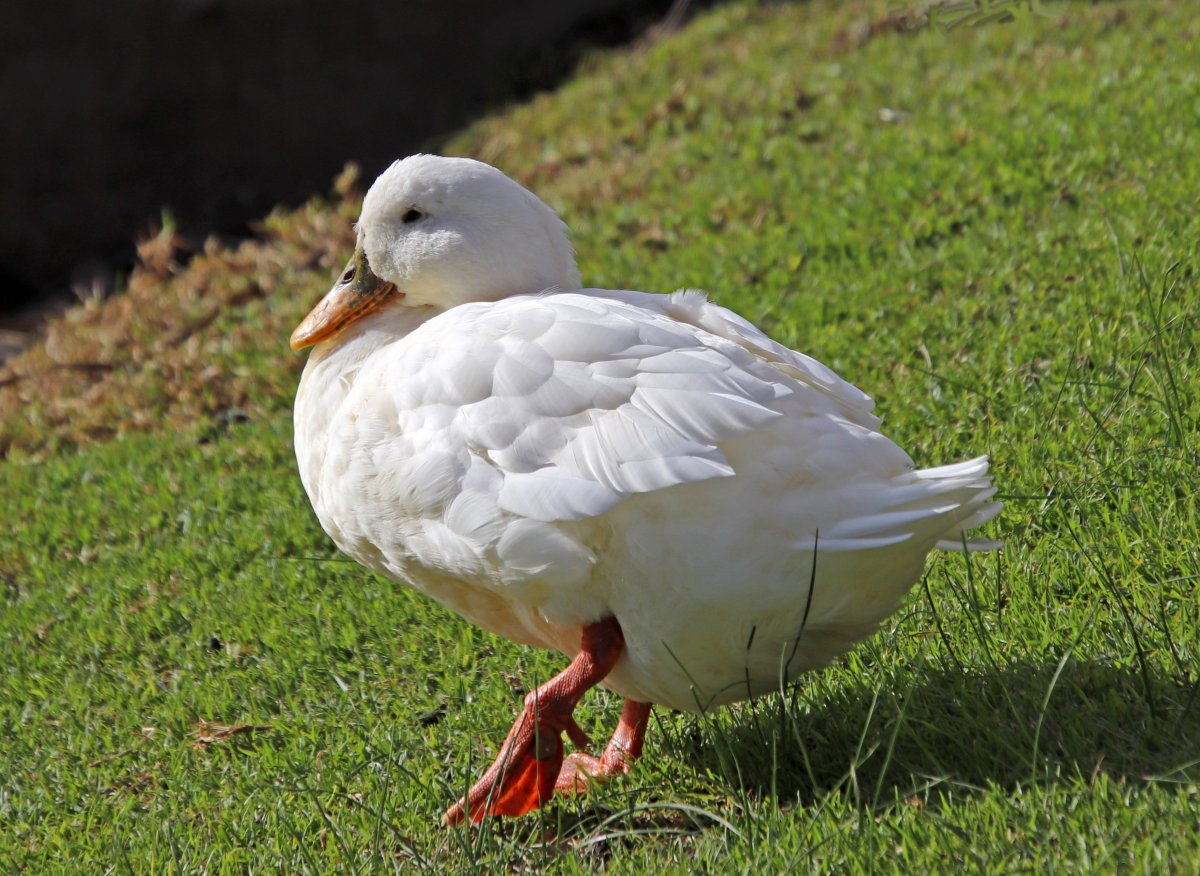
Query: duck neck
330	375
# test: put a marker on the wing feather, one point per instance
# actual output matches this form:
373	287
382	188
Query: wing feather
579	400
692	306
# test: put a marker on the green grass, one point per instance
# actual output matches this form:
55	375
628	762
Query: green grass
1009	266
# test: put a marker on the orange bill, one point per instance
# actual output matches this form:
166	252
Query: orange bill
357	293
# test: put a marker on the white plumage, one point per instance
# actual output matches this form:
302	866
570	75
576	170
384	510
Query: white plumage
538	456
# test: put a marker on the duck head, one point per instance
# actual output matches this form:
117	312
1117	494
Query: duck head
438	232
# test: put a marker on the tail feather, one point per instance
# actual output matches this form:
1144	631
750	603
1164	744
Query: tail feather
974	487
936	507
970	468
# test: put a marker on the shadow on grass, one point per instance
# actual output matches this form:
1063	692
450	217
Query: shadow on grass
950	730
945	733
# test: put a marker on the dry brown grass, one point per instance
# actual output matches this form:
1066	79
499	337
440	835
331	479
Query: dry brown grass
181	344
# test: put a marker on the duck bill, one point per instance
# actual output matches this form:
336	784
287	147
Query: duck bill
358	293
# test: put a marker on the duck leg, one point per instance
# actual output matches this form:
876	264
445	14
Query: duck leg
622	750
526	772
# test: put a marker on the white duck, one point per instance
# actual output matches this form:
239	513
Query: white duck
648	483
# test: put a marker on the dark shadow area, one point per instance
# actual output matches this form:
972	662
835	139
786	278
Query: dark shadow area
992	728
221	109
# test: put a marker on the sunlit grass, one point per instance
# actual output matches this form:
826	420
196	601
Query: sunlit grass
1006	259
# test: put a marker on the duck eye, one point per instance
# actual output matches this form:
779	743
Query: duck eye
348	276
411	215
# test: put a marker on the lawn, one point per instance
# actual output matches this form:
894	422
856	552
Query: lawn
993	228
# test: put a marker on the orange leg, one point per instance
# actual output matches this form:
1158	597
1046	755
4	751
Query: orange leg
525	773
622	750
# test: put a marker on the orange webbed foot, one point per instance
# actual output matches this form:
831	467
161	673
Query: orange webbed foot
523	775
526	772
579	770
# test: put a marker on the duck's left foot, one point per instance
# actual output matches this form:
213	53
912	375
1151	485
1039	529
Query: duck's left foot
526	772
